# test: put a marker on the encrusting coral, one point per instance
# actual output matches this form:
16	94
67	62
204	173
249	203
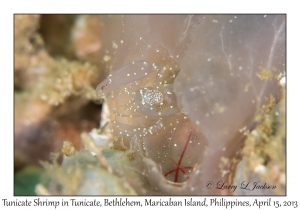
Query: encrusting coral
263	155
48	91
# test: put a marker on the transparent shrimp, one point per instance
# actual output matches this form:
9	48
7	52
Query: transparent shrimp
139	95
143	106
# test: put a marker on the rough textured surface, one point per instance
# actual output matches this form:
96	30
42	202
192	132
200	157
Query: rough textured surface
52	95
263	155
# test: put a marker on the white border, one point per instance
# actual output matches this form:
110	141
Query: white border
8	8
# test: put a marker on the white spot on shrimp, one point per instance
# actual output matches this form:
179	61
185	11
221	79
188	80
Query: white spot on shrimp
153	97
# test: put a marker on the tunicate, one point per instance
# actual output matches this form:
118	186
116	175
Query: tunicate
206	74
140	99
122	76
144	111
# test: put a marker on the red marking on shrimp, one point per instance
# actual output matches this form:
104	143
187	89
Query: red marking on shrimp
178	164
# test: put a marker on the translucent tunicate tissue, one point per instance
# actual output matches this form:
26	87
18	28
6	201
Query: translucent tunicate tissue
204	75
182	96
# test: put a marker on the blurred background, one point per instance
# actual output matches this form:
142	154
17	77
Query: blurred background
56	69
